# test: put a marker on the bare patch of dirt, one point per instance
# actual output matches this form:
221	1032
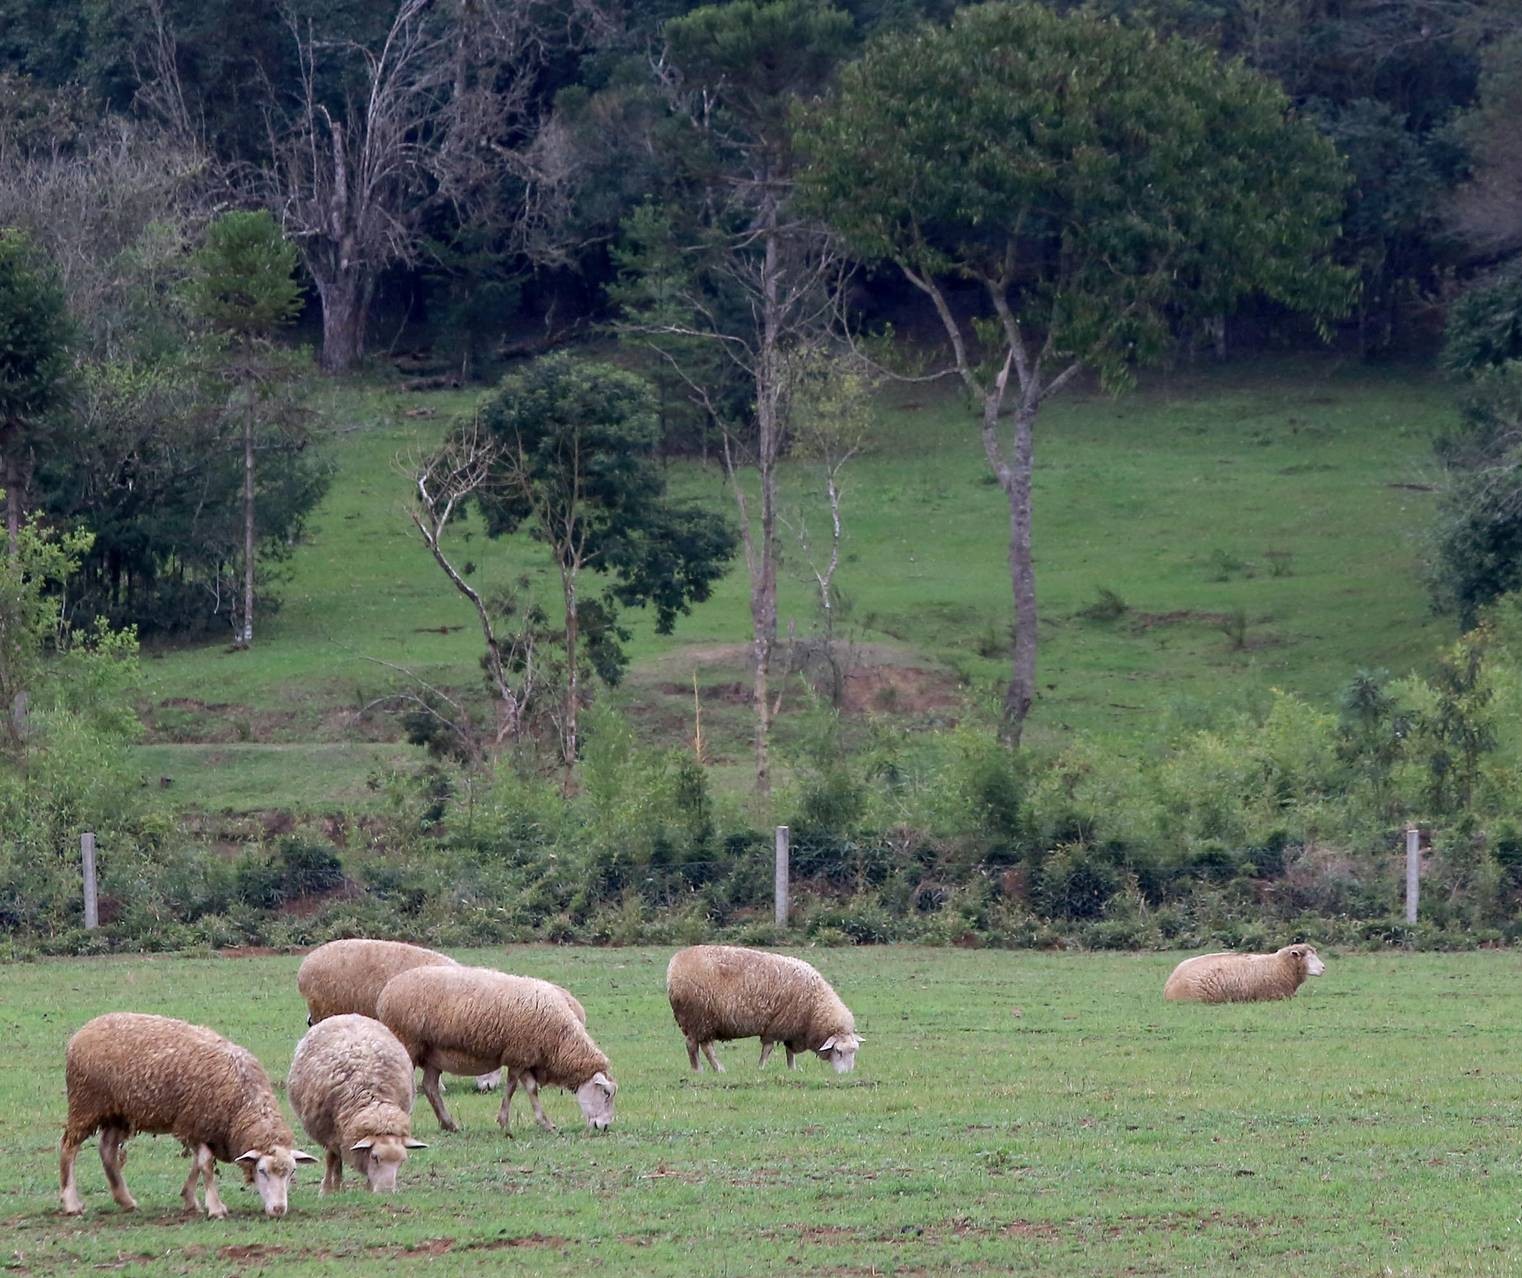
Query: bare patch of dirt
898	690
252	1251
1044	1230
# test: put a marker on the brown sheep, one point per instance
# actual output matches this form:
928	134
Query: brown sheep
350	1083
130	1073
467	1020
346	977
724	992
1243	978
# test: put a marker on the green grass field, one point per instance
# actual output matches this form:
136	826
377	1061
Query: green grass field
1037	1114
1290	495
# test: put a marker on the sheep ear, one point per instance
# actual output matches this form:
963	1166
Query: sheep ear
604	1082
416	1144
826	1045
250	1159
362	1144
301	1156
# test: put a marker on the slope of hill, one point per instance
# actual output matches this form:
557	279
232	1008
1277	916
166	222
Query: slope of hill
1260	527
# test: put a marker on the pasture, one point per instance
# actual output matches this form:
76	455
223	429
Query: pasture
1010	1113
1261	525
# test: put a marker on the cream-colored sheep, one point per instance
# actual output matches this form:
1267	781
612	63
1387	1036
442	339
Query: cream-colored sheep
130	1073
724	992
1242	978
465	1020
350	1083
346	977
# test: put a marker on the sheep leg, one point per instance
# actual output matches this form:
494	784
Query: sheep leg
531	1086
488	1082
333	1173
112	1139
504	1118
792	1058
766	1050
436	1098
68	1191
188	1190
712	1059
692	1055
216	1209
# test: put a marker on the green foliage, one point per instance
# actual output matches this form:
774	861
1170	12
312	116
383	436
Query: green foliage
35	333
1484	329
1126	182
576	469
243	278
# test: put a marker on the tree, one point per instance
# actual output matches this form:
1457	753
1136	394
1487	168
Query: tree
760	286
1488	208
440	113
574	464
1098	186
244	288
829	411
34	362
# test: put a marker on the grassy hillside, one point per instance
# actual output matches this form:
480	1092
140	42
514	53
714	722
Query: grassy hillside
1009	1114
1259	524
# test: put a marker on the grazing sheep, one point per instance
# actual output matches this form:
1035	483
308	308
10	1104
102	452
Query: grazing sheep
724	992
470	1019
350	1083
130	1073
1242	978
346	977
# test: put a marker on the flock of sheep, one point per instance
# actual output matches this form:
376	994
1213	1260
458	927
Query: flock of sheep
378	1010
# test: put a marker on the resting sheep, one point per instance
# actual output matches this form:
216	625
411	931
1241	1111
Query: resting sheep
1243	978
724	992
471	1019
130	1073
344	977
350	1083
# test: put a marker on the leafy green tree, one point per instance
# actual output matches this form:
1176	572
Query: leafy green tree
575	467
1100	188
1484	328
35	333
244	288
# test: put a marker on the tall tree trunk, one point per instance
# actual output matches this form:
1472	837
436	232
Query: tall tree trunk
1022	684
345	297
568	728
763	576
245	637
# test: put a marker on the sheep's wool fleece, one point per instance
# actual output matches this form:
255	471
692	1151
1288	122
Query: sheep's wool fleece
351	1080
722	992
160	1075
1235	978
467	1020
348	976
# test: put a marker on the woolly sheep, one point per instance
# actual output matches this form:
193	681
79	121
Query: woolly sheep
346	977
1243	978
724	992
471	1019
350	1083
130	1073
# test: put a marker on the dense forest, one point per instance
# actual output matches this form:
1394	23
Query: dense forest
720	236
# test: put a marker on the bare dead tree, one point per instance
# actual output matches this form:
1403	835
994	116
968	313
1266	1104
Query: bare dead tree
443	483
445	114
787	273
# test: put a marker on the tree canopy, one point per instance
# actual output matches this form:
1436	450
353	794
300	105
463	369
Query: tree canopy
1116	184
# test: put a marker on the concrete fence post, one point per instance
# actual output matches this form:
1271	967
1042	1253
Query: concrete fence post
782	880
1413	870
87	859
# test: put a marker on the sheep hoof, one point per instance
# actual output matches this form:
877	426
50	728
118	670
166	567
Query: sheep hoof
219	1212
75	1208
